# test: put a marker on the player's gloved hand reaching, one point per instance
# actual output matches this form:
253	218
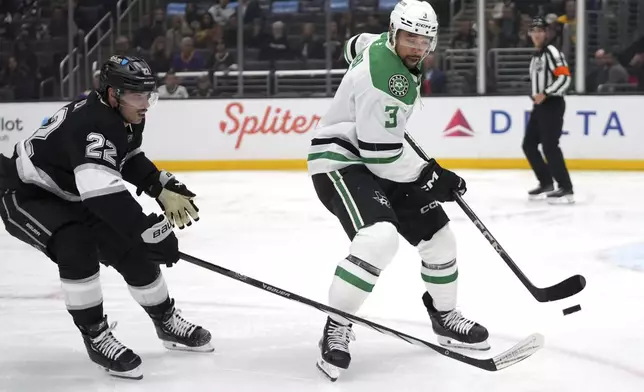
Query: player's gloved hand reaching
441	183
175	200
161	243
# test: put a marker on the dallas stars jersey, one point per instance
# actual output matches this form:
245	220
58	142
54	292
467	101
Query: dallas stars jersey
365	124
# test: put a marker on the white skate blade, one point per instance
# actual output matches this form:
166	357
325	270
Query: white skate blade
134	374
330	371
453	343
563	200
174	346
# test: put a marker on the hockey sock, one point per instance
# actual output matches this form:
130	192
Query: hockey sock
439	270
154	297
372	249
84	299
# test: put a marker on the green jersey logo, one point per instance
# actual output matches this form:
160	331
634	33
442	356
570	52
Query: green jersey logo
398	85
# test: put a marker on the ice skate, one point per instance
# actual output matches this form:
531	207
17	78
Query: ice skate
540	192
454	330
179	334
108	353
334	349
561	196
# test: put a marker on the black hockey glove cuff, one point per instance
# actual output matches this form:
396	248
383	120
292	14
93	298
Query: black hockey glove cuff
440	183
161	243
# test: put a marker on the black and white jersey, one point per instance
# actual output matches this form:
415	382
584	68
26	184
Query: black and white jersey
549	72
84	153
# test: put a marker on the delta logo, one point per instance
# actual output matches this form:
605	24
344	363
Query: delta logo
458	126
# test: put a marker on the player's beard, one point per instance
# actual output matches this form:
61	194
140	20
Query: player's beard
411	61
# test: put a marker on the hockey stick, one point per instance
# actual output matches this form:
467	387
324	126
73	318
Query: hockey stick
519	352
561	290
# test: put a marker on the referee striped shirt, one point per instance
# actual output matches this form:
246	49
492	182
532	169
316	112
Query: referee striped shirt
549	72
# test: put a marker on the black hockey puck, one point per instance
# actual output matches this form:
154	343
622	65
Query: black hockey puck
571	309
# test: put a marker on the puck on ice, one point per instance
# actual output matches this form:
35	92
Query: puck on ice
571	309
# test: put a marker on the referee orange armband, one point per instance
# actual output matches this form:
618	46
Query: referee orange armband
562	71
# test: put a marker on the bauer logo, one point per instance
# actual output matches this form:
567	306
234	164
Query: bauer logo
458	126
269	120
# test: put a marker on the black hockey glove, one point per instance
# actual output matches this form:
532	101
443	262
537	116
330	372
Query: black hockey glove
161	243
174	199
440	183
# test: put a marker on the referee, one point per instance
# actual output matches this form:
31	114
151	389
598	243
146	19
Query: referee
550	78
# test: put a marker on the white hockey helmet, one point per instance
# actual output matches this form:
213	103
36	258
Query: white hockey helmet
417	17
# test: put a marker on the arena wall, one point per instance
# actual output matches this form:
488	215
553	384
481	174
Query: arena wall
601	132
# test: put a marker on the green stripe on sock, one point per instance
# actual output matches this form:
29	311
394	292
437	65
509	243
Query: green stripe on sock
353	280
440	279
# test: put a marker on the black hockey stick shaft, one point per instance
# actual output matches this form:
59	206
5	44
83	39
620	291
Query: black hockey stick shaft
565	289
508	358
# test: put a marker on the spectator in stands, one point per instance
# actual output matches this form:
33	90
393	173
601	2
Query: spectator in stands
311	47
221	12
277	47
191	14
336	44
373	25
636	66
159	18
122	47
508	27
207	32
257	38
172	89
175	34
26	57
58	23
203	89
345	26
607	73
465	37
434	81
147	33
221	59
159	60
524	40
188	59
569	19
6	28
250	10
15	78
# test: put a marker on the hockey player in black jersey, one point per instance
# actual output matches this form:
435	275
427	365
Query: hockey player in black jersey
63	192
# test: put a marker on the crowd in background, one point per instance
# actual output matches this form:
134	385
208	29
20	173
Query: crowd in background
203	36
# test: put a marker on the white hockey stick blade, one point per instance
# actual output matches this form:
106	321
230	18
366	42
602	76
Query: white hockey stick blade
519	352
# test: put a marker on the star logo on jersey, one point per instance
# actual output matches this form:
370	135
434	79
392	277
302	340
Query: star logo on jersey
398	85
382	199
458	126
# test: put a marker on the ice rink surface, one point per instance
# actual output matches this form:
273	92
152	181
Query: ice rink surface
270	226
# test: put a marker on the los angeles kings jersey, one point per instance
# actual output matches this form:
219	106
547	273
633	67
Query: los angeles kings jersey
365	124
84	153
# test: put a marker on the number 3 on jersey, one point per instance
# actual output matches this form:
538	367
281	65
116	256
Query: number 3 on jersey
98	141
392	112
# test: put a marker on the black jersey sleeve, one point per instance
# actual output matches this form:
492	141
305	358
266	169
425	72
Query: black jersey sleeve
95	156
137	169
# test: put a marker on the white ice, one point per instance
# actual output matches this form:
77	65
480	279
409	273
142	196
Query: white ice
270	225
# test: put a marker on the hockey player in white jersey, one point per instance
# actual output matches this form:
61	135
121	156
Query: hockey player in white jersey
367	172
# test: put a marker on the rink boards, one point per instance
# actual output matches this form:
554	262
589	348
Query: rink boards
600	132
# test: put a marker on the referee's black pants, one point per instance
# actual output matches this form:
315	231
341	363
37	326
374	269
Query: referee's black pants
545	128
